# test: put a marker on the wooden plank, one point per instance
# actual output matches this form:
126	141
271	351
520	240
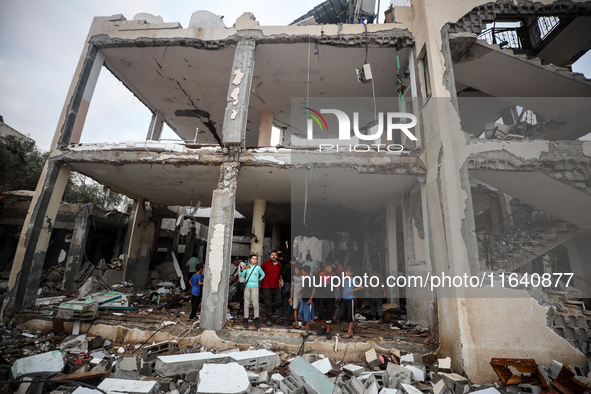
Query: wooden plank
82	375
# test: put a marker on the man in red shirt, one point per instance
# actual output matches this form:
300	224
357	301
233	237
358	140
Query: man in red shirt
272	282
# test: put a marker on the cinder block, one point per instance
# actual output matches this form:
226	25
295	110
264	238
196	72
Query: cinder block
353	370
444	364
418	372
314	381
386	390
187	363
256	358
323	365
228	378
554	369
398	375
290	385
372	359
150	353
354	386
408	389
381	378
129	386
407	358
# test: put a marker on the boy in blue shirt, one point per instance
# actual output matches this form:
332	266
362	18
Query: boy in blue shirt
196	285
348	301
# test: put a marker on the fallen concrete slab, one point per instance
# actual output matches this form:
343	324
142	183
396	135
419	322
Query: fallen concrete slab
228	378
187	363
129	386
314	381
40	364
260	358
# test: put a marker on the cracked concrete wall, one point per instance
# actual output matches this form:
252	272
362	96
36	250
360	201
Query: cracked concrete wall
472	330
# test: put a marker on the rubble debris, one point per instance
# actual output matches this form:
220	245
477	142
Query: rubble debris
74	344
228	378
529	368
40	364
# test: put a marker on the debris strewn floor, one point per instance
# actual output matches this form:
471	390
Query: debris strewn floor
145	343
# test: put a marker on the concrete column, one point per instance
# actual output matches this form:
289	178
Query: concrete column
265	128
86	98
223	204
258	228
239	95
219	249
432	295
139	251
189	246
392	251
75	255
155	129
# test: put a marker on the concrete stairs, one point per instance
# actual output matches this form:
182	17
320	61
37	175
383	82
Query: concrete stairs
557	94
518	250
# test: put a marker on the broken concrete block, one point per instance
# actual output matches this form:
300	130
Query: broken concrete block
354	386
370	386
40	364
554	369
276	379
290	385
528	388
223	378
253	377
381	378
444	364
187	363
407	358
323	365
150	353
488	390
418	373
372	358
314	381
74	344
398	375
408	389
263	377
454	382
260	358
126	368
84	390
95	342
353	370
129	386
388	391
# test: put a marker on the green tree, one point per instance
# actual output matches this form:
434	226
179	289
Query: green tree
21	164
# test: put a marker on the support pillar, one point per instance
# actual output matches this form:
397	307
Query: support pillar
265	128
219	249
75	255
137	256
221	222
155	129
258	228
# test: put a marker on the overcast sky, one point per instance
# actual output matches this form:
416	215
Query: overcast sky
41	42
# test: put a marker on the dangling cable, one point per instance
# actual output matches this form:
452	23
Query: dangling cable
305	196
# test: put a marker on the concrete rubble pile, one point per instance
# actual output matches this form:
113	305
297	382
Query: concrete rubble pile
86	364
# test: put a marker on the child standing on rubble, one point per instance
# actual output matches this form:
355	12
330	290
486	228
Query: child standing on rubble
196	284
254	275
348	301
306	312
296	293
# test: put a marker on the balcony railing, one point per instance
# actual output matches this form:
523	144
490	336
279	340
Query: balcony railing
528	37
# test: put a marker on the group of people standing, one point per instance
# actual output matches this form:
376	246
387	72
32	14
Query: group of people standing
282	285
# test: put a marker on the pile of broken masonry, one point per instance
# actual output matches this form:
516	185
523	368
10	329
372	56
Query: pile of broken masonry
81	364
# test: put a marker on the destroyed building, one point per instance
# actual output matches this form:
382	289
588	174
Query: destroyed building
496	182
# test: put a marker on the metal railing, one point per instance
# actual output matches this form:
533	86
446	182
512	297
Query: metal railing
528	37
